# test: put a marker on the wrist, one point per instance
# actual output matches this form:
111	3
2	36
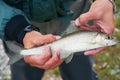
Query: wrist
17	27
27	29
113	4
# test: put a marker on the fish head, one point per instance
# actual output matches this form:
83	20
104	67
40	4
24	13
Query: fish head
110	39
106	39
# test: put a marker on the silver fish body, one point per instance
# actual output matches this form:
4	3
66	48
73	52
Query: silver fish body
75	42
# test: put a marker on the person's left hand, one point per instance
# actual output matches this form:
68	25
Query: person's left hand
101	13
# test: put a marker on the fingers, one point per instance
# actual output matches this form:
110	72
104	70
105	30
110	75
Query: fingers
39	59
58	61
106	26
91	28
53	62
102	16
35	38
45	61
94	51
85	18
44	39
94	27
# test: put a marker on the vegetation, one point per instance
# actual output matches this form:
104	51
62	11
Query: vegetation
117	2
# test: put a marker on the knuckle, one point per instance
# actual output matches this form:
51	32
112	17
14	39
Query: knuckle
37	41
34	41
44	59
41	63
49	65
55	59
46	67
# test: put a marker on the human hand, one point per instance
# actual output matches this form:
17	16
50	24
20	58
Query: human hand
94	51
101	13
46	60
35	38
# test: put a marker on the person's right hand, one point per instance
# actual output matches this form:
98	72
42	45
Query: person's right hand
46	60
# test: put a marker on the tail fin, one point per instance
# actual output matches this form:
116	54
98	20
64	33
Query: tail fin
14	50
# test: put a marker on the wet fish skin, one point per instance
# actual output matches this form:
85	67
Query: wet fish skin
75	42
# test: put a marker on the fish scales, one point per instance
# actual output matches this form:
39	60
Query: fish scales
75	42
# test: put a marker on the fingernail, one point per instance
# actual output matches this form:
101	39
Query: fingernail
77	23
58	37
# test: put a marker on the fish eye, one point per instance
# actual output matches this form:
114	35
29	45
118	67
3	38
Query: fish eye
109	37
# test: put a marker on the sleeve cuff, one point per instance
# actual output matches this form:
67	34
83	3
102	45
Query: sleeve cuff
17	27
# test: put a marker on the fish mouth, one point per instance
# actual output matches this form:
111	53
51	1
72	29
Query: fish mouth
114	42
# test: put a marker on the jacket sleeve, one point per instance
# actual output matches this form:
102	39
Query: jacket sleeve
6	13
13	23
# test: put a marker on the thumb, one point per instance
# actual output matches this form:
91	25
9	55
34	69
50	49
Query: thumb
84	18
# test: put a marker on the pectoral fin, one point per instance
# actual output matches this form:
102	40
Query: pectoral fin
67	55
69	58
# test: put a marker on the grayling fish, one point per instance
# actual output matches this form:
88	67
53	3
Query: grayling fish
74	42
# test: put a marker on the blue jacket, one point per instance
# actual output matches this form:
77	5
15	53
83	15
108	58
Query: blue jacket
13	21
37	10
6	12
